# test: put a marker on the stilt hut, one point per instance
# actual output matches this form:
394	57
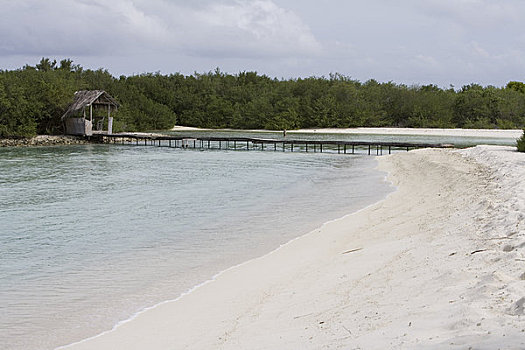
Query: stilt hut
88	112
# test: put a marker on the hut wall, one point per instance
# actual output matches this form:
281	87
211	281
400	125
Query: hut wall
78	126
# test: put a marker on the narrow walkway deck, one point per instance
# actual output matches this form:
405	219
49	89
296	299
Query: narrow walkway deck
246	143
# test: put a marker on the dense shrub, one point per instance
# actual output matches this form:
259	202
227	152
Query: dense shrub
32	100
521	143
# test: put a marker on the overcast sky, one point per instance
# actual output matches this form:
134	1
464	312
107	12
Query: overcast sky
406	41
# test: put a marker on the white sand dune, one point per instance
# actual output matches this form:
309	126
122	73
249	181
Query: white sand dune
439	264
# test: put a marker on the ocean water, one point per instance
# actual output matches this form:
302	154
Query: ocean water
92	234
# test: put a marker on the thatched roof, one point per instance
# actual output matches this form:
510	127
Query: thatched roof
86	98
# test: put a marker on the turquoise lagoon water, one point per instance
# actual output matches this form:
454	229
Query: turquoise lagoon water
90	235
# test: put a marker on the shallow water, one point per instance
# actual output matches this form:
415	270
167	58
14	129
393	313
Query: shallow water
458	141
89	235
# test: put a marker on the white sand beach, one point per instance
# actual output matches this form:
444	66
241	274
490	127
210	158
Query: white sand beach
438	264
482	133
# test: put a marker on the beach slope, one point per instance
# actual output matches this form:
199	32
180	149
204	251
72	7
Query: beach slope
440	263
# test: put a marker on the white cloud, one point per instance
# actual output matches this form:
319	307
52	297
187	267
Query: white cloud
82	27
65	27
258	24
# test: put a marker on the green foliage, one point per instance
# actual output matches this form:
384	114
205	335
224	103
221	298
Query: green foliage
521	143
32	100
516	86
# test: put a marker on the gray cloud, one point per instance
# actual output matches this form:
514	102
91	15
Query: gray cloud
82	27
254	27
63	27
409	41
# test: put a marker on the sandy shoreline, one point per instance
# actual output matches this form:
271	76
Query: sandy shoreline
489	133
482	133
438	264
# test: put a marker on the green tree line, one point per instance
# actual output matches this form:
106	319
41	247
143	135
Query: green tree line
33	98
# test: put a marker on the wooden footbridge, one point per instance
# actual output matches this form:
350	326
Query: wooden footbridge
247	143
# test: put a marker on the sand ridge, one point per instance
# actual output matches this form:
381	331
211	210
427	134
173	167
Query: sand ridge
438	264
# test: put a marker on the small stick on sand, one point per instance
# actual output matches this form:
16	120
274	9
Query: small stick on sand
353	250
346	329
296	317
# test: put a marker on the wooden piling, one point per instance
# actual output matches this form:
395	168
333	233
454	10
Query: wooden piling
342	146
